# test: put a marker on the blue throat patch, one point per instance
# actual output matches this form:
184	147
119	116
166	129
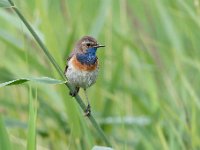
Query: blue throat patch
88	58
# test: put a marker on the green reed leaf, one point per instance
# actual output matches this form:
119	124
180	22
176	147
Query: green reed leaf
45	80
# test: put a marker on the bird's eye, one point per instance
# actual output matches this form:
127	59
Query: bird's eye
88	44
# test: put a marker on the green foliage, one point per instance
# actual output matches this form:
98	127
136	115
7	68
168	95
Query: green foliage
101	148
4	3
146	96
39	80
4	138
31	141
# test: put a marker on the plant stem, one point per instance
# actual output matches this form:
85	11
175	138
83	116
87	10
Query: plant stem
59	70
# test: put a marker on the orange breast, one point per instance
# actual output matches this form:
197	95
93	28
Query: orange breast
83	67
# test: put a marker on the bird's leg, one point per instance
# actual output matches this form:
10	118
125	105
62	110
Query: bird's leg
75	92
87	110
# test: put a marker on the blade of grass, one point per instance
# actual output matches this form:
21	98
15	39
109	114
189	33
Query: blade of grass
45	80
162	138
59	70
100	19
4	138
31	142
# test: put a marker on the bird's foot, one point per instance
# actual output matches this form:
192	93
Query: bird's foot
88	110
75	92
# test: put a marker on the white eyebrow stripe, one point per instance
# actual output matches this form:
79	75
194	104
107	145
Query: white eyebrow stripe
86	42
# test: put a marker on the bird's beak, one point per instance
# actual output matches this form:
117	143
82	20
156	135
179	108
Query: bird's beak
98	46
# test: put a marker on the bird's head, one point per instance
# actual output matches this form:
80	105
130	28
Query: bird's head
87	44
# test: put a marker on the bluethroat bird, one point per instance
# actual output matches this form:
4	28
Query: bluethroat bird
82	66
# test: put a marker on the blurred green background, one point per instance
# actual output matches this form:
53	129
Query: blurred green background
147	93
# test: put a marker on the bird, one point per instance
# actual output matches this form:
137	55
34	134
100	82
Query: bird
82	66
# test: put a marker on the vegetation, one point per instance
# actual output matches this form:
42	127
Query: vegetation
147	92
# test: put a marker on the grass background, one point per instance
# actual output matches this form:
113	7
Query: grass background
147	92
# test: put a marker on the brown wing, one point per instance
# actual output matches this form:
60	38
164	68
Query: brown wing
70	56
75	51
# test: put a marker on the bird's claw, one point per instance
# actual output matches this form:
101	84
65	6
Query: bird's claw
88	110
73	94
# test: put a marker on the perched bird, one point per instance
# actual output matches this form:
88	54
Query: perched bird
82	66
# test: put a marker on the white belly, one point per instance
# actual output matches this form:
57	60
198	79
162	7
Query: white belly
79	78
